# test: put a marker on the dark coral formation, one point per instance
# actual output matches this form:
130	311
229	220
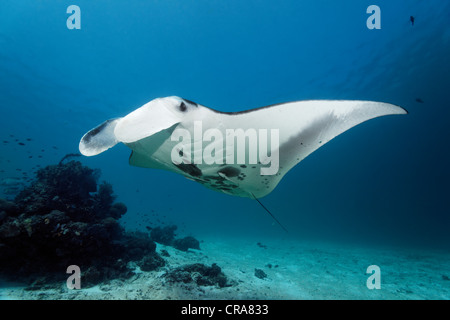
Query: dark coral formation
260	274
186	243
259	244
64	217
199	274
151	262
166	236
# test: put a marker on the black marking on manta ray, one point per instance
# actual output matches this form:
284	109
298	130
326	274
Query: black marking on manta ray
191	169
87	138
218	183
191	102
230	171
233	113
216	178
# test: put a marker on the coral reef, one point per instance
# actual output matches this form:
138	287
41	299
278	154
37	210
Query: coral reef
166	236
259	244
186	243
260	274
65	217
199	274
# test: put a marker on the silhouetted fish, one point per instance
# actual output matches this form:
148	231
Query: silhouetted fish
419	100
11	191
412	20
11	182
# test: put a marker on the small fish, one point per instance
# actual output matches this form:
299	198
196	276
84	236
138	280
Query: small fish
11	182
11	191
5	141
419	100
21	143
29	139
411	18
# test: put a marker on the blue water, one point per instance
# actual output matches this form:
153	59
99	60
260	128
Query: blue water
383	181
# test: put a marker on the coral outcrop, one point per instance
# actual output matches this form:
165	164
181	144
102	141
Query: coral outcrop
199	274
65	217
166	236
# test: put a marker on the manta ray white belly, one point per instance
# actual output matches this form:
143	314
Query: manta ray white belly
298	128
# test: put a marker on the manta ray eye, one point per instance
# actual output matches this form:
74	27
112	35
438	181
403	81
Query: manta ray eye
183	107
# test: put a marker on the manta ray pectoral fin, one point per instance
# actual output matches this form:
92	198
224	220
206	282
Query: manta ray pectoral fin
319	121
99	139
153	117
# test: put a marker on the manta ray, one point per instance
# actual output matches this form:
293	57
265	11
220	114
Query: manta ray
299	128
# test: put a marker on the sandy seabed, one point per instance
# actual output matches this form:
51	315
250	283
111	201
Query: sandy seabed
294	269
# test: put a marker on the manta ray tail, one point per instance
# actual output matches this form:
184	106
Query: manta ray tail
269	213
